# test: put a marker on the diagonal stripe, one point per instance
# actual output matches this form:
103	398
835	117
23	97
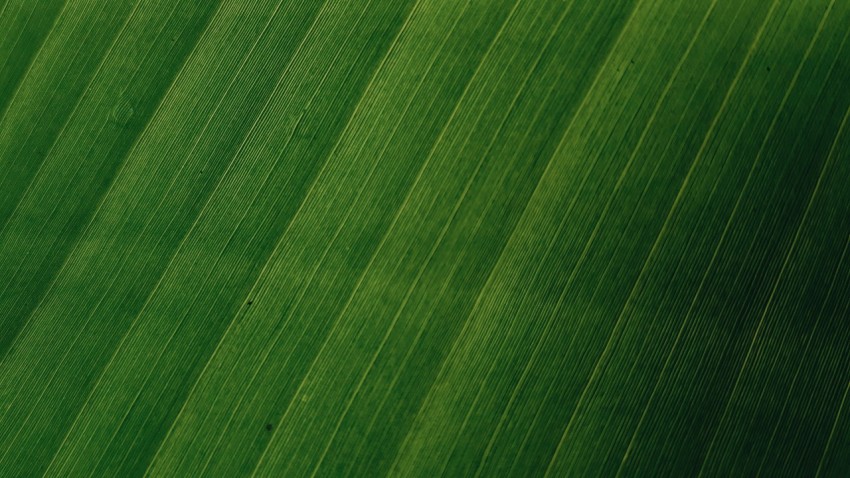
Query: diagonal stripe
653	251
602	216
513	237
401	208
797	234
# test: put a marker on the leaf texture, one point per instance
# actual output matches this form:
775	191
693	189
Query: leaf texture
424	238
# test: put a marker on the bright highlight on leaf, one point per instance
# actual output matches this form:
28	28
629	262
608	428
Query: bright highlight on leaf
424	238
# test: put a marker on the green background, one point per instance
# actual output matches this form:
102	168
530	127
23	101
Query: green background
424	237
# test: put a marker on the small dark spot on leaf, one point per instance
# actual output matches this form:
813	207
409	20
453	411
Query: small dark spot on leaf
269	427
250	302
768	68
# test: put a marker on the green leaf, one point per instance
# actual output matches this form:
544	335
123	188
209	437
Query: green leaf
424	237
